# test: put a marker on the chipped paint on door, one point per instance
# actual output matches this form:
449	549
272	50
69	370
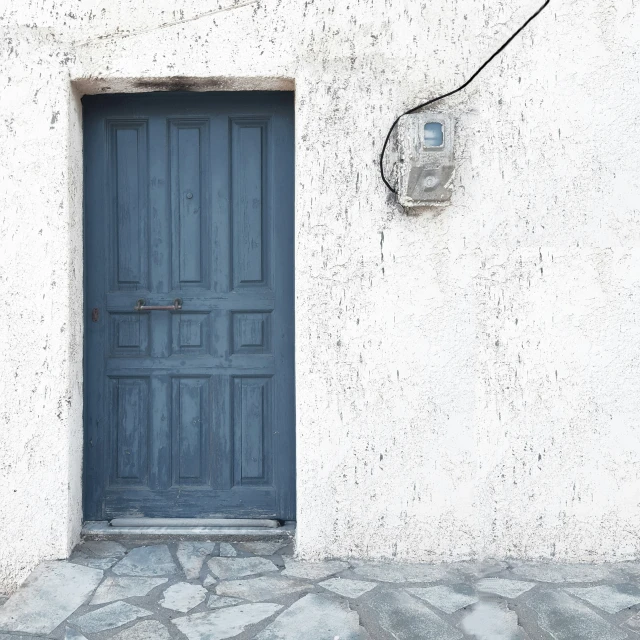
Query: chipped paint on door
189	263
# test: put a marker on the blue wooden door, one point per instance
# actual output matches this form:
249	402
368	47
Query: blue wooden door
189	411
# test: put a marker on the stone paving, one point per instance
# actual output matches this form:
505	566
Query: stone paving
257	590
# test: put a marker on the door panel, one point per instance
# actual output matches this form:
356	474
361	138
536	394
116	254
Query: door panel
190	198
189	412
130	411
252	426
128	178
249	228
191	409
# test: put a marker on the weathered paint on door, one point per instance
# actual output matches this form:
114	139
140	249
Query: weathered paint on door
189	412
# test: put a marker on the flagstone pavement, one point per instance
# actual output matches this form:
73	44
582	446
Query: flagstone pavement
257	590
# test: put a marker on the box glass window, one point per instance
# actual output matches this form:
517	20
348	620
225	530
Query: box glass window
433	134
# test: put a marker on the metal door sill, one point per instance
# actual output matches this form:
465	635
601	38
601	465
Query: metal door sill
238	523
102	530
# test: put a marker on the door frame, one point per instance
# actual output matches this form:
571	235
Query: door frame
87	310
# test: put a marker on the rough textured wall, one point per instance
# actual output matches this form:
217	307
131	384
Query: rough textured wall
40	304
466	383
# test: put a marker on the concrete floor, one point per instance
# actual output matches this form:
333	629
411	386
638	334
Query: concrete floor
217	590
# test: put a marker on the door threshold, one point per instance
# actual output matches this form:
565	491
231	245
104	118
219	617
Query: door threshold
102	530
240	523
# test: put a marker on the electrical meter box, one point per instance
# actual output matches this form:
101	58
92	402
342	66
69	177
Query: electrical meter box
425	153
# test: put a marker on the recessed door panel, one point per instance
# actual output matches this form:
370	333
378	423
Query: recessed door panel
250	215
191	401
190	151
129	204
129	433
252	427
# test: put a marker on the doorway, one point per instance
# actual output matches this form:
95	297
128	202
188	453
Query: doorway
189	302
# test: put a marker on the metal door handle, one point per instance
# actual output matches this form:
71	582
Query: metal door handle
176	306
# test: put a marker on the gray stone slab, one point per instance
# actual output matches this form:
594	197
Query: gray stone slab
209	581
565	618
224	623
609	598
482	569
261	548
492	621
192	555
315	617
425	572
49	596
558	573
217	602
446	598
72	634
183	596
261	589
145	630
122	587
287	550
503	587
634	622
102	549
93	562
404	617
397	573
231	568
112	616
155	560
227	550
348	588
631	568
313	570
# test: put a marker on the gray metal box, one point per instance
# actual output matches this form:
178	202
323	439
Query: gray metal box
426	164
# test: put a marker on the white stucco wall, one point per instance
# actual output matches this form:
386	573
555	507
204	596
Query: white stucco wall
466	383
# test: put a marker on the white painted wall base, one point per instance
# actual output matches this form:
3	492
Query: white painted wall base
467	382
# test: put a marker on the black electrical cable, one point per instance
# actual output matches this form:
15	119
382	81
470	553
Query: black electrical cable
460	88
